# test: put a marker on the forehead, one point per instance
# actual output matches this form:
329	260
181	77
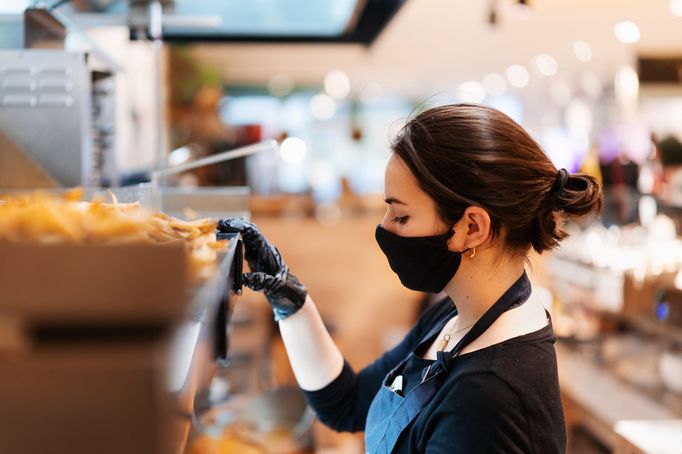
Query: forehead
401	184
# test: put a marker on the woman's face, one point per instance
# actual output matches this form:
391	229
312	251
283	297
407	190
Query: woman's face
410	211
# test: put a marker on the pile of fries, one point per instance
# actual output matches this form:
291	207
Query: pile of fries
42	218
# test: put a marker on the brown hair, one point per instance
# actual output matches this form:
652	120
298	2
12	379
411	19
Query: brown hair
467	154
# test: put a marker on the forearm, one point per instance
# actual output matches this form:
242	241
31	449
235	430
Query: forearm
314	357
340	397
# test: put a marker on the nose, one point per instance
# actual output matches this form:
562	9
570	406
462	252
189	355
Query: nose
386	223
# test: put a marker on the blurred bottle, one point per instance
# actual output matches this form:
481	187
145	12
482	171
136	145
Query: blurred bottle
590	164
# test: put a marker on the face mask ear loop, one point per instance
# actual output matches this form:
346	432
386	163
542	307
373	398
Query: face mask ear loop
451	232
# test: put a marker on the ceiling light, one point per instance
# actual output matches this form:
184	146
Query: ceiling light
494	84
627	82
546	64
517	76
293	150
626	87
471	91
337	84
626	32
582	51
179	156
322	106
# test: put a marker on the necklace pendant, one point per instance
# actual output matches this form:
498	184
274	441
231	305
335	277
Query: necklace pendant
444	342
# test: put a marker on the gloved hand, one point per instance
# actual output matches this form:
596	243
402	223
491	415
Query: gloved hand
268	271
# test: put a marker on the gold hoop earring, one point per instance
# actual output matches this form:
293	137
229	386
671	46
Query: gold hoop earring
473	253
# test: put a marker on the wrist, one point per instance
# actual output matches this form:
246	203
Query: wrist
303	311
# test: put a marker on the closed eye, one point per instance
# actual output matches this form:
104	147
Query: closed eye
400	219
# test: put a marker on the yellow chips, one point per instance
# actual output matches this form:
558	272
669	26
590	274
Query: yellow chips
42	218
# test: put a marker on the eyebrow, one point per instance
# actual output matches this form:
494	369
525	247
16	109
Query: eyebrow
392	200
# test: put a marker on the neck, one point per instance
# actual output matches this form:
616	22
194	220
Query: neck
480	282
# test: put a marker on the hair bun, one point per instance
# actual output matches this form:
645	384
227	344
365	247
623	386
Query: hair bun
574	196
581	196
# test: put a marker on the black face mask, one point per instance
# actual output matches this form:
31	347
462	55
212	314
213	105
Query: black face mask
422	263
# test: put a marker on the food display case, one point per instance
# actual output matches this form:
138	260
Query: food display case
617	306
106	348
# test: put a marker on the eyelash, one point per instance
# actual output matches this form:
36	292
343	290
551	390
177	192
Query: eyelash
400	219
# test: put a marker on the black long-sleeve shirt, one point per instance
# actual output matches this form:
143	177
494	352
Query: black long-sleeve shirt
500	399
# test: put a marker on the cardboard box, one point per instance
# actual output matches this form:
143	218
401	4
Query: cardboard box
90	373
115	285
102	397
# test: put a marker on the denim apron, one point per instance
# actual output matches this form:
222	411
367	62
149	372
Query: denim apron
390	413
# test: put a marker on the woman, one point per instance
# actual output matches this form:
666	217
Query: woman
468	194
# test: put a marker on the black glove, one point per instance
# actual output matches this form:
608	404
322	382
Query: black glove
268	271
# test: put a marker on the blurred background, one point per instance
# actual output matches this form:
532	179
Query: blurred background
114	93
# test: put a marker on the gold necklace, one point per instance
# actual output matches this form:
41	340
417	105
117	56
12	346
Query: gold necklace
446	339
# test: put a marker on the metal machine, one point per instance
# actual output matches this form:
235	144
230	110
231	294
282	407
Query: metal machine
56	108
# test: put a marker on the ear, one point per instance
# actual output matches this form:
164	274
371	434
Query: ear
474	228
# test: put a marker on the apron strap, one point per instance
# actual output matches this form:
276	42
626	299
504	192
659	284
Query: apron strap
515	295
